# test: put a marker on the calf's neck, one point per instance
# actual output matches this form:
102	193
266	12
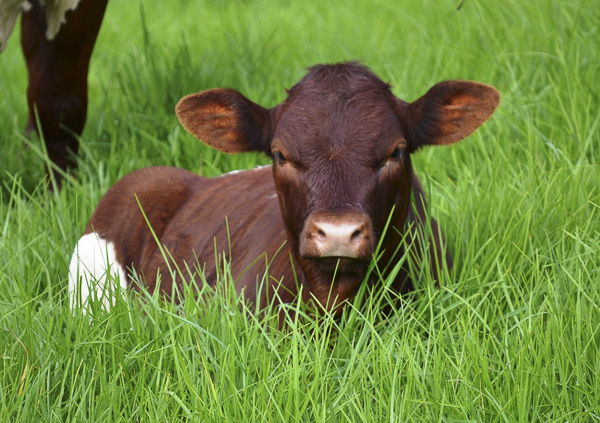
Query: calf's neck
341	144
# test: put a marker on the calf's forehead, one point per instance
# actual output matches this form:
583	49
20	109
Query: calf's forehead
365	123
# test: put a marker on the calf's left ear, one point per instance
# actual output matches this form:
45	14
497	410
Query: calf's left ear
449	112
225	120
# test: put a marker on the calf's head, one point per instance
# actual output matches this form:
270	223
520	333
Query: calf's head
341	145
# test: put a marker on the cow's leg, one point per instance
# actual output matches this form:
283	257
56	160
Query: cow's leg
58	71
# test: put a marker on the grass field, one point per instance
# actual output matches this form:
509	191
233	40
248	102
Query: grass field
513	335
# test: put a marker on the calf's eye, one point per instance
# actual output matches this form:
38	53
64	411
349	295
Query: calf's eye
397	154
279	157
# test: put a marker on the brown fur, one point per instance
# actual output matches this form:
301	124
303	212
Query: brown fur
341	145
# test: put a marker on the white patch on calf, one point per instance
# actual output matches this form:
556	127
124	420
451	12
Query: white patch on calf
235	172
94	273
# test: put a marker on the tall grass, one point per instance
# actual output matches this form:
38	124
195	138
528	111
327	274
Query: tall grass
512	335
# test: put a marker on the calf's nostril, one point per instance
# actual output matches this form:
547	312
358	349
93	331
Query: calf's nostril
356	234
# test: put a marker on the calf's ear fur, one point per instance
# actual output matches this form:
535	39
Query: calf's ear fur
226	120
449	112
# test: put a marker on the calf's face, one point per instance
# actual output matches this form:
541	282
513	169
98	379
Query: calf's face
341	145
340	166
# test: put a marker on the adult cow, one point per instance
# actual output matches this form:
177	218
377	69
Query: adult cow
341	145
58	38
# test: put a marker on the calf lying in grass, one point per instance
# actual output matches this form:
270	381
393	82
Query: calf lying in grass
341	145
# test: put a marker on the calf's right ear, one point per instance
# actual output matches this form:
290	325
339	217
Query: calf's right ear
226	120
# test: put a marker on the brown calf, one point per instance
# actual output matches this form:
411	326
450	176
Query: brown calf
341	145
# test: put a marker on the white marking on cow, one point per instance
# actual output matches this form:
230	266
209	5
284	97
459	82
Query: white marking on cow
235	172
55	16
94	273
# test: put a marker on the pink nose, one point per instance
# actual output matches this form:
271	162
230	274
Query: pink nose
337	235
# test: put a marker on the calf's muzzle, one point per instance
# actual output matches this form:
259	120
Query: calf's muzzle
337	235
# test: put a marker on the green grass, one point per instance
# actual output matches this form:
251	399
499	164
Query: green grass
512	336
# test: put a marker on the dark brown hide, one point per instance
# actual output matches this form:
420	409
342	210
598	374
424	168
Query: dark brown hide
58	74
341	145
191	216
